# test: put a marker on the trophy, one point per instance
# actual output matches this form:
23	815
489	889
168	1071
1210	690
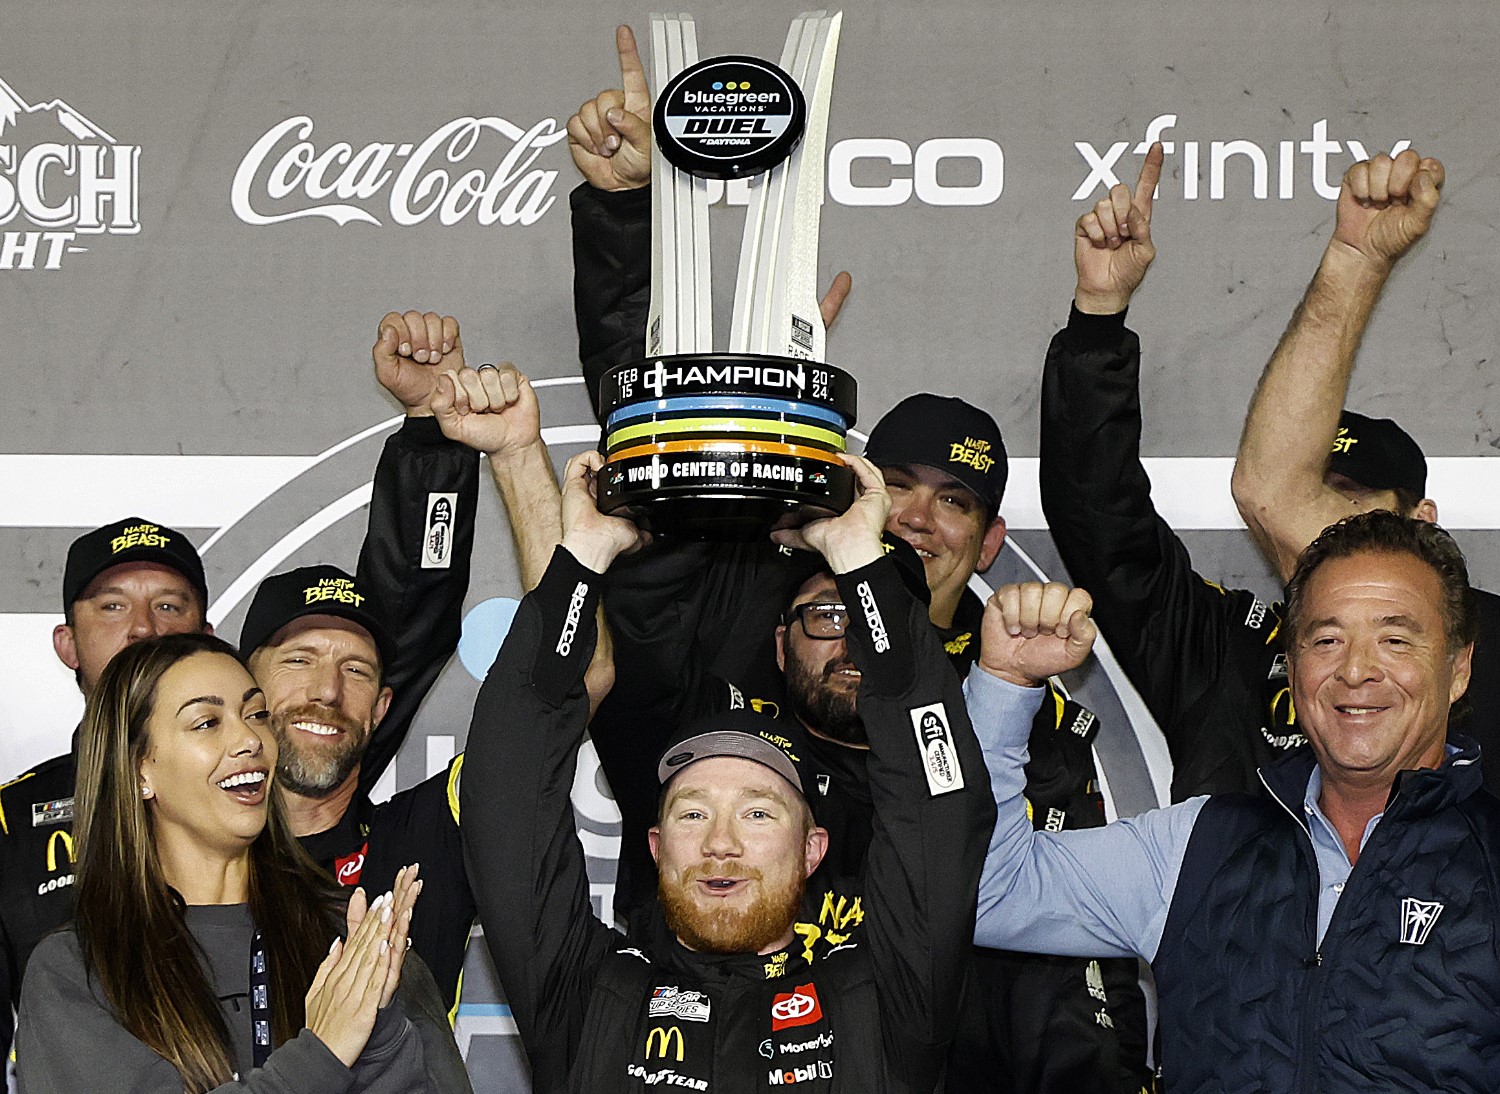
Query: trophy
728	444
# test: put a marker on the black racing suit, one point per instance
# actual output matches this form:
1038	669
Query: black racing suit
869	1016
1208	661
424	608
688	616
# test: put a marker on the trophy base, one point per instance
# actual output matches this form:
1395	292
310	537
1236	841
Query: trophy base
724	495
725	446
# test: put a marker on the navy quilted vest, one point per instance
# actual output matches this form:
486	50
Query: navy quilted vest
1401	995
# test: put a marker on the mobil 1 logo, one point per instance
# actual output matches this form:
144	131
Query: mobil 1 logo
729	118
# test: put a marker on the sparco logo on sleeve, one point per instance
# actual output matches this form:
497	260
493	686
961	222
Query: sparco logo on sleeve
66	177
939	757
878	634
437	540
570	625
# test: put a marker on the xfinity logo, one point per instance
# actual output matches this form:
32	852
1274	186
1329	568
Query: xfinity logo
872	618
478	169
65	177
1229	163
570	625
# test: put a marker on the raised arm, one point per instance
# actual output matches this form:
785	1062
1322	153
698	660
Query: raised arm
417	548
525	863
1170	630
494	409
1384	206
1095	892
932	814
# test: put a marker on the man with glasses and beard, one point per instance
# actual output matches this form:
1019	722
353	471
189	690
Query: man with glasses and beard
723	992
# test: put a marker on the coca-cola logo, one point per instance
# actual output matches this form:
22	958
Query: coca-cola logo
479	168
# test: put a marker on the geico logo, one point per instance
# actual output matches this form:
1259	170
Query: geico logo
284	164
53	884
1319	149
923	179
659	1042
570	625
66	839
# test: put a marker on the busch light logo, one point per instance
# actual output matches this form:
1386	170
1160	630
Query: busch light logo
61	178
478	169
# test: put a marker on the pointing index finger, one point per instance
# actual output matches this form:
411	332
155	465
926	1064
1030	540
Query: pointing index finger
1145	187
632	72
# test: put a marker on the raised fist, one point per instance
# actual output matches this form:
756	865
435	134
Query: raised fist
1034	630
492	409
1386	205
410	351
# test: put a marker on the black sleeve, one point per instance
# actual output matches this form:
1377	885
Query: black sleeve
611	278
525	863
11	989
1171	630
415	564
932	819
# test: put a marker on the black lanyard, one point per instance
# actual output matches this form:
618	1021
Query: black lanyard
260	1004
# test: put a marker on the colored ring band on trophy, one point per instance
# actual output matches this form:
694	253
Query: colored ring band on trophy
714	374
725	448
697	429
693	405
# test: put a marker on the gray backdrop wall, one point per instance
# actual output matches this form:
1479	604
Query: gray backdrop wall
190	281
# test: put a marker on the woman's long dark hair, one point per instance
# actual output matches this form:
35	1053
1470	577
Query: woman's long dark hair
131	925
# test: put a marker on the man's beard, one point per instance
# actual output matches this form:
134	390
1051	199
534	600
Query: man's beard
314	771
823	707
729	930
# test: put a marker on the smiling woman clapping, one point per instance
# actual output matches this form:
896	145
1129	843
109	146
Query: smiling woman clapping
205	953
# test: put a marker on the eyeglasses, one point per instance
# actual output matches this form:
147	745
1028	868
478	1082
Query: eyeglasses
824	621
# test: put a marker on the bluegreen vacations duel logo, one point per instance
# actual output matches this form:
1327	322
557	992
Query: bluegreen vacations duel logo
64	181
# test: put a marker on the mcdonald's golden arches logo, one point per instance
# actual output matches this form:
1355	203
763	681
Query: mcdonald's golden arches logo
67	842
661	1040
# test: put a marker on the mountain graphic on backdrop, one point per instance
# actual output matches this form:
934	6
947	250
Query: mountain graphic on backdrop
22	126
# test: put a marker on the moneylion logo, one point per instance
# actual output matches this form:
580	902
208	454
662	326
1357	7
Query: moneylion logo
64	176
494	160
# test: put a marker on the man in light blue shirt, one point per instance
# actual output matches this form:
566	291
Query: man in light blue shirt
1338	932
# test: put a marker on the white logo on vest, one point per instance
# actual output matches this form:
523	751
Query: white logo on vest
1417	918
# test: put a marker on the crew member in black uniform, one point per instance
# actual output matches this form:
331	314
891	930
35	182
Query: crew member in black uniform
317	640
1208	661
122	583
682	613
723	999
134	579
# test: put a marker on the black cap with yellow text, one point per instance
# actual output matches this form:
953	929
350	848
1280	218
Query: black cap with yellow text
126	541
945	433
311	590
1378	454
